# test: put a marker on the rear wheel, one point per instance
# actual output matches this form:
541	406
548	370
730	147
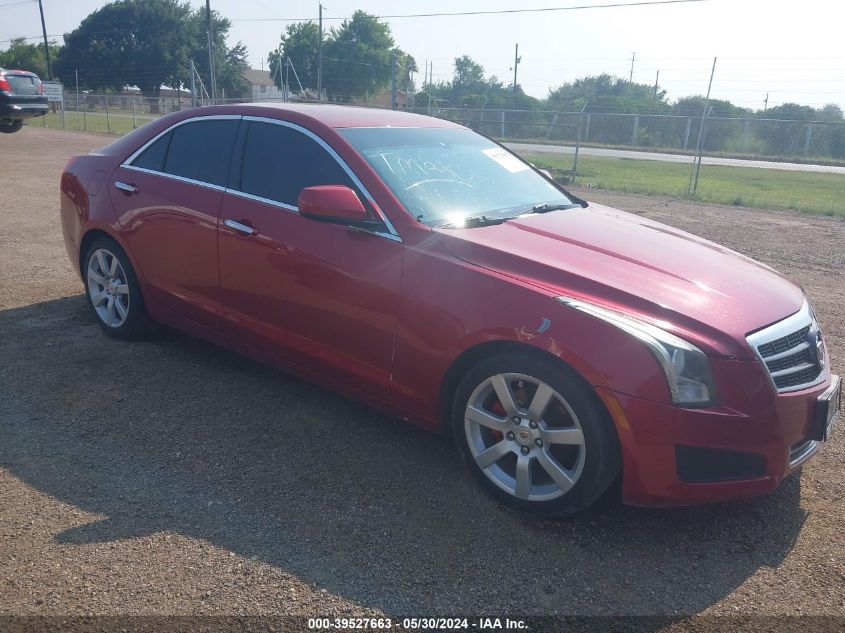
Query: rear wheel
112	288
9	127
535	434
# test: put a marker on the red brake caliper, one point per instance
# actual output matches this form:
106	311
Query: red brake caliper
499	410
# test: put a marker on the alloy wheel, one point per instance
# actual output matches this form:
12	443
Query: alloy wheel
525	437
108	288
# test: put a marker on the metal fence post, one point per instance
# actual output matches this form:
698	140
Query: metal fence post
686	134
551	126
134	120
503	124
586	128
808	138
745	129
63	110
108	121
577	148
636	129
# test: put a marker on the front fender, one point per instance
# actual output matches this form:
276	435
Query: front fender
450	306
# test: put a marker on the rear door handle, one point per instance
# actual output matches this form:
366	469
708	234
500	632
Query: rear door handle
239	227
125	187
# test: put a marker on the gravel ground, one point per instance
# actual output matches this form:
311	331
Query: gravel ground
171	477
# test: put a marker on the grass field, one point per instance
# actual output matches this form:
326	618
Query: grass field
810	192
117	123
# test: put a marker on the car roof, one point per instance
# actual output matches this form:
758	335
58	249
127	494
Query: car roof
17	71
341	116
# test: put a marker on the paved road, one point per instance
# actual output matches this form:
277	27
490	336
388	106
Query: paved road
538	148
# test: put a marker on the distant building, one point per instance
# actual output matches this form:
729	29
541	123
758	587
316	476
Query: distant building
261	86
403	100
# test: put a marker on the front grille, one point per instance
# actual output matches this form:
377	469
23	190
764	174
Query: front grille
793	360
784	343
803	377
788	349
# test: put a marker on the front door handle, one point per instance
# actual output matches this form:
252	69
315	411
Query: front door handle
240	227
125	187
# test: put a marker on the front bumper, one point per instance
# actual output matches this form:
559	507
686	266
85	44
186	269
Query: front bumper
667	451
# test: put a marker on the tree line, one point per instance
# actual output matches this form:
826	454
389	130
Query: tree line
143	43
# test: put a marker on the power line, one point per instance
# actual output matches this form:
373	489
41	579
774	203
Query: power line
614	5
14	4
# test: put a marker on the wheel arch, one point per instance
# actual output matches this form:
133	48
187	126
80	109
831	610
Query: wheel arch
92	234
472	355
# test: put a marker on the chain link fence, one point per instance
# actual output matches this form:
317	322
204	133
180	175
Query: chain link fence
758	137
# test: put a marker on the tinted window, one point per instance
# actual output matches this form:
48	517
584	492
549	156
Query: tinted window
153	157
202	150
279	162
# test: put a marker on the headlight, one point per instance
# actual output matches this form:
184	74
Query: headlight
686	367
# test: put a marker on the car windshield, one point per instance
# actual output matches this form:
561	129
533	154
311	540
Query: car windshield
451	176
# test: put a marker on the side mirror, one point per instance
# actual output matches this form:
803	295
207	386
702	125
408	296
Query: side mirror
331	203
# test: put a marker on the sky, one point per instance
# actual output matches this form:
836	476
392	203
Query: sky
792	51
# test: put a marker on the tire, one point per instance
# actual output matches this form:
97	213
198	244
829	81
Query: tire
11	127
554	458
112	290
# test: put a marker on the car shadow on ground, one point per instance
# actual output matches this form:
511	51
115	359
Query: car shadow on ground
173	434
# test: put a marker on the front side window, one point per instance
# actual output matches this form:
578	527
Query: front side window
279	162
202	150
444	176
153	157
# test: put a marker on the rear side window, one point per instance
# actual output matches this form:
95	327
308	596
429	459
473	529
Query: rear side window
153	157
202	150
279	162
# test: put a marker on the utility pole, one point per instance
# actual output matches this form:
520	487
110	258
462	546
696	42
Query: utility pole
320	59
210	51
631	76
431	78
193	86
46	46
393	81
516	60
766	102
656	79
698	148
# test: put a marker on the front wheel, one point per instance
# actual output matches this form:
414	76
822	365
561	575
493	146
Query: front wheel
535	435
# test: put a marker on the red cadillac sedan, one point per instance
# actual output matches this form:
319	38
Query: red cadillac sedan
418	266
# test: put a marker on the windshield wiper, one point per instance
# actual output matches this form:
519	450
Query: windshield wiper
545	207
473	222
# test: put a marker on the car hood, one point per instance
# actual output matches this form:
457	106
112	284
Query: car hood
706	291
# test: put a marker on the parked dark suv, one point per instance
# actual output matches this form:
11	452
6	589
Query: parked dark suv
21	97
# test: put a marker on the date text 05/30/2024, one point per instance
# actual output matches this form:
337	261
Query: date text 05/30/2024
418	624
